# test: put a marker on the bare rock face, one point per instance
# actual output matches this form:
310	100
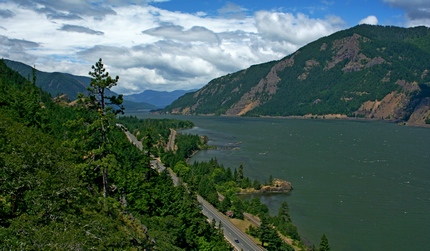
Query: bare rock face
390	107
349	48
394	106
250	100
360	70
278	186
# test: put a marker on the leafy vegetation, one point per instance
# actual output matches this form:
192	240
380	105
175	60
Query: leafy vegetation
70	180
58	84
220	186
333	75
324	246
215	98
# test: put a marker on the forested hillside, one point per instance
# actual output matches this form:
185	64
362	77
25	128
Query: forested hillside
365	71
59	84
70	180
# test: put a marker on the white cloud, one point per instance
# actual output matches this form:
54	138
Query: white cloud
417	11
148	47
372	20
295	30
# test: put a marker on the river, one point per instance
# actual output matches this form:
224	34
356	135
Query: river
365	184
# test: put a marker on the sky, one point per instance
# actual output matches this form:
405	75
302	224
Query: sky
168	45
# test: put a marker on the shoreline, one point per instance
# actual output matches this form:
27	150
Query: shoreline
317	117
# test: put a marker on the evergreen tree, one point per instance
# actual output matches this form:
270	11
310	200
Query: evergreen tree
101	121
240	173
324	246
265	234
283	213
225	204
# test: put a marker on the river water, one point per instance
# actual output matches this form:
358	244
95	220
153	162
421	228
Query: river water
366	185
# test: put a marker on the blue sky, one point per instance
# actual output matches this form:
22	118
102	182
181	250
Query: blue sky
350	11
180	44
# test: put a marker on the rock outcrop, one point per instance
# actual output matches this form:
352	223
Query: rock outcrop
277	186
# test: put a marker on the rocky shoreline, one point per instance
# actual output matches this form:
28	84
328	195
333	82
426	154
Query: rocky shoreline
277	186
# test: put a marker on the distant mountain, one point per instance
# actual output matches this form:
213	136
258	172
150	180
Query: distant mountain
58	83
55	83
365	71
158	98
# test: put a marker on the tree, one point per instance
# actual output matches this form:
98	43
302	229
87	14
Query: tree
256	185
100	83
225	204
148	142
283	213
99	103
324	246
240	172
265	234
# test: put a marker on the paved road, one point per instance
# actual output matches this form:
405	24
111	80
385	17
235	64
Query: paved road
131	137
171	143
231	232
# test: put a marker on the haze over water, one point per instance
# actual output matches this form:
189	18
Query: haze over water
366	185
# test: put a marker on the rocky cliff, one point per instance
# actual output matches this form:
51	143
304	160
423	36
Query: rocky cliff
367	71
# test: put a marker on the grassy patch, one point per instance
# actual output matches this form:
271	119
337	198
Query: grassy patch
243	225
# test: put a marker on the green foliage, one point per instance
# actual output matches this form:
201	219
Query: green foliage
51	159
284	223
157	129
342	89
324	246
269	235
254	206
221	93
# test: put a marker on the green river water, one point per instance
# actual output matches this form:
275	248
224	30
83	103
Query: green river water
366	185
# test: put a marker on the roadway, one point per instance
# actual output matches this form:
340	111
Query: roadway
238	239
231	232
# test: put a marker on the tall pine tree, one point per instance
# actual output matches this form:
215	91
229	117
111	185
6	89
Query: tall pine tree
103	109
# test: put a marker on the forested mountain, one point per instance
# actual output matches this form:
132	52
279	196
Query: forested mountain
70	179
365	71
160	99
58	83
55	83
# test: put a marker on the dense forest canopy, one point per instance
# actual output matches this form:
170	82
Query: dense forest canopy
71	180
52	193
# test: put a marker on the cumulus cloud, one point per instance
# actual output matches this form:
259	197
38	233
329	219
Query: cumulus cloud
417	11
294	29
372	20
80	29
149	47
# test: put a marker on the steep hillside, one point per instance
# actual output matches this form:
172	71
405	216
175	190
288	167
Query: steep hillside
55	83
366	71
52	195
58	83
